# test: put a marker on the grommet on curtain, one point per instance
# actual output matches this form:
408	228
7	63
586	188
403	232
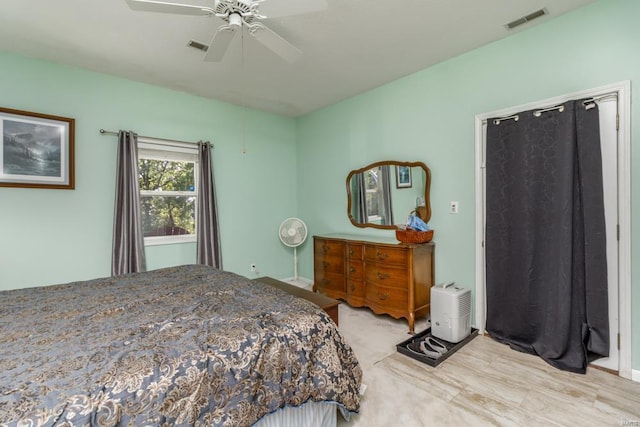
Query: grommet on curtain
515	118
538	113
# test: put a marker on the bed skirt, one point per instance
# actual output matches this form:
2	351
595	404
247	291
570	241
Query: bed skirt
311	414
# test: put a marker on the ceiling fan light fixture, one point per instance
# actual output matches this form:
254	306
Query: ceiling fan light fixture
235	20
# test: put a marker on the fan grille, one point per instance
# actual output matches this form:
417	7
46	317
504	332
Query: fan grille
293	232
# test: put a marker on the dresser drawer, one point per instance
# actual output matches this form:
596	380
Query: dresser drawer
386	275
328	283
381	298
331	264
355	293
386	254
354	251
355	288
322	247
354	270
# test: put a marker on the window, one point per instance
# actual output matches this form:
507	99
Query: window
372	184
377	187
168	194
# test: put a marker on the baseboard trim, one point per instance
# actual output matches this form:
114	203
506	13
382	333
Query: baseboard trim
635	375
301	282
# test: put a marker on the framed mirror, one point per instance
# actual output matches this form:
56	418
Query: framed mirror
382	194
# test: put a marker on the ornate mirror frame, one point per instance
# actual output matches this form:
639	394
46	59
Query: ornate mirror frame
423	211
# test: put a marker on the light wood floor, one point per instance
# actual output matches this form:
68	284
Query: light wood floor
485	383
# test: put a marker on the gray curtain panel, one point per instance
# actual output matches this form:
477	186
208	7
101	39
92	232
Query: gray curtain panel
128	237
208	233
360	199
386	195
546	268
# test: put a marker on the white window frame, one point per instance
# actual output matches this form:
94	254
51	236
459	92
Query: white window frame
148	150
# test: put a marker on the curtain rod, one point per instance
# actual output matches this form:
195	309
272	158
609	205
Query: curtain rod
588	103
159	141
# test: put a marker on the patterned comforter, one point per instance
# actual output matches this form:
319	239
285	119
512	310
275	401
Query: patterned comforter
188	345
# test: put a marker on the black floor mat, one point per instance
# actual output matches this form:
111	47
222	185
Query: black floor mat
411	347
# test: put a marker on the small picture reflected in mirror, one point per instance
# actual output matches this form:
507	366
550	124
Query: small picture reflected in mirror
403	177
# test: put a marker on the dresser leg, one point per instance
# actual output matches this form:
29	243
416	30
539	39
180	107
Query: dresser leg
412	322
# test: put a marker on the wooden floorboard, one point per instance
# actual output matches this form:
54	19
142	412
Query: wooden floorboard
484	383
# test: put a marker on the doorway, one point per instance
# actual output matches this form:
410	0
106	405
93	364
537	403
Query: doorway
613	102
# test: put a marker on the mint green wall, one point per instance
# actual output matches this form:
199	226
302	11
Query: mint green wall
54	236
429	117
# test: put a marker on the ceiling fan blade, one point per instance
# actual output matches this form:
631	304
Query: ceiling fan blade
274	42
220	43
279	8
164	7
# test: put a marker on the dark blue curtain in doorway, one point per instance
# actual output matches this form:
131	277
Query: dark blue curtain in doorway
545	235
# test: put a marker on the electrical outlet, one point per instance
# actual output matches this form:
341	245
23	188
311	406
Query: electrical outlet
252	268
453	207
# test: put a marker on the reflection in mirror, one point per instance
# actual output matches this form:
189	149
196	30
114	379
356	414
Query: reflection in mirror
383	194
371	192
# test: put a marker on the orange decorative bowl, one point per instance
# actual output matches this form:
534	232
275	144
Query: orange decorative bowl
414	236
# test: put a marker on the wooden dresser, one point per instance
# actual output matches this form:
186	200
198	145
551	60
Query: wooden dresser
380	273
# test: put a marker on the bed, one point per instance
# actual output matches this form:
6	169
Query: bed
186	345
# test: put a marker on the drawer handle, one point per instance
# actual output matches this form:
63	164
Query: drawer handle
325	248
381	255
382	296
352	269
325	265
382	276
353	287
350	251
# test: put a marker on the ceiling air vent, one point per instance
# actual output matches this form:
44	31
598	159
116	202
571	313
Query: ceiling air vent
530	17
198	45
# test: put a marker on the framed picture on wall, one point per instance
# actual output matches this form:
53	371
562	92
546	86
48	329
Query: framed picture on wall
36	150
403	177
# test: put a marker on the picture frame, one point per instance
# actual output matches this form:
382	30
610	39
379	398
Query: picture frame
403	176
36	150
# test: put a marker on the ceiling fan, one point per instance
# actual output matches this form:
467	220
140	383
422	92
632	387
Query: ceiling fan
239	14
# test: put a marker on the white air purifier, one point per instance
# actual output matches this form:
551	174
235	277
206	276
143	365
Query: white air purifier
450	312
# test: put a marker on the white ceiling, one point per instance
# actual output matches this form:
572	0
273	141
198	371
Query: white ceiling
349	48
